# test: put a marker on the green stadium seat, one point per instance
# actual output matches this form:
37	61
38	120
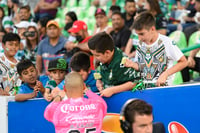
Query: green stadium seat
179	38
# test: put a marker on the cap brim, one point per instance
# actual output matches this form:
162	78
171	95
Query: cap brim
56	69
100	14
53	24
73	30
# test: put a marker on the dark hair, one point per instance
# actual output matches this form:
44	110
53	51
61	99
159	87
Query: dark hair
23	65
72	15
154	6
144	20
129	1
10	37
114	8
135	107
27	7
2	30
80	60
101	42
118	13
43	21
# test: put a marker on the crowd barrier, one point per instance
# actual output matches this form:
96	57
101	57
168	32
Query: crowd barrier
177	107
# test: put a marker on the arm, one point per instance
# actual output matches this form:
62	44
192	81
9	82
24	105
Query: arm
39	63
130	63
37	8
191	61
108	92
83	46
129	46
24	97
182	63
99	85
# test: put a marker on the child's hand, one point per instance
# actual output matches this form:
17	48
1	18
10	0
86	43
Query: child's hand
108	92
58	98
162	79
4	92
55	92
39	87
128	63
85	89
34	93
99	85
48	96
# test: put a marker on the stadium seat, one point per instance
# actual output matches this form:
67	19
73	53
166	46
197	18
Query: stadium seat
179	38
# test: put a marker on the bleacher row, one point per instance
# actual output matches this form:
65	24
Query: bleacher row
84	10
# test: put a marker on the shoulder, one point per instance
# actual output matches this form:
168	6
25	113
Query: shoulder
165	38
24	88
44	78
62	38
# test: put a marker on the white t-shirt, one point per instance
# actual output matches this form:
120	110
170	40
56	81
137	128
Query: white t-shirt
155	58
8	74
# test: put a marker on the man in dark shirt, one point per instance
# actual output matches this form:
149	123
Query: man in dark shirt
136	117
130	11
120	33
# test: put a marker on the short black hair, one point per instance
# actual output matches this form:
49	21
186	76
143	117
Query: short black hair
72	15
136	107
101	42
129	1
115	8
117	13
80	60
144	20
23	65
43	21
10	37
27	7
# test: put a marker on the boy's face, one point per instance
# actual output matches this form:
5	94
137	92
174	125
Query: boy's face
145	35
84	74
57	75
29	75
101	20
103	58
11	48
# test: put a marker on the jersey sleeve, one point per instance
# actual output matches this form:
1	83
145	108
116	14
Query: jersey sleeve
173	51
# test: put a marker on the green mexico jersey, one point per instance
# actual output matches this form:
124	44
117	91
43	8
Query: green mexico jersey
115	73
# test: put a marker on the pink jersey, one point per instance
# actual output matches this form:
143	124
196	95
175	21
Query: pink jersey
79	115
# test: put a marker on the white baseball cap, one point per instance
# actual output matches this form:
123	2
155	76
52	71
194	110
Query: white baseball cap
22	24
